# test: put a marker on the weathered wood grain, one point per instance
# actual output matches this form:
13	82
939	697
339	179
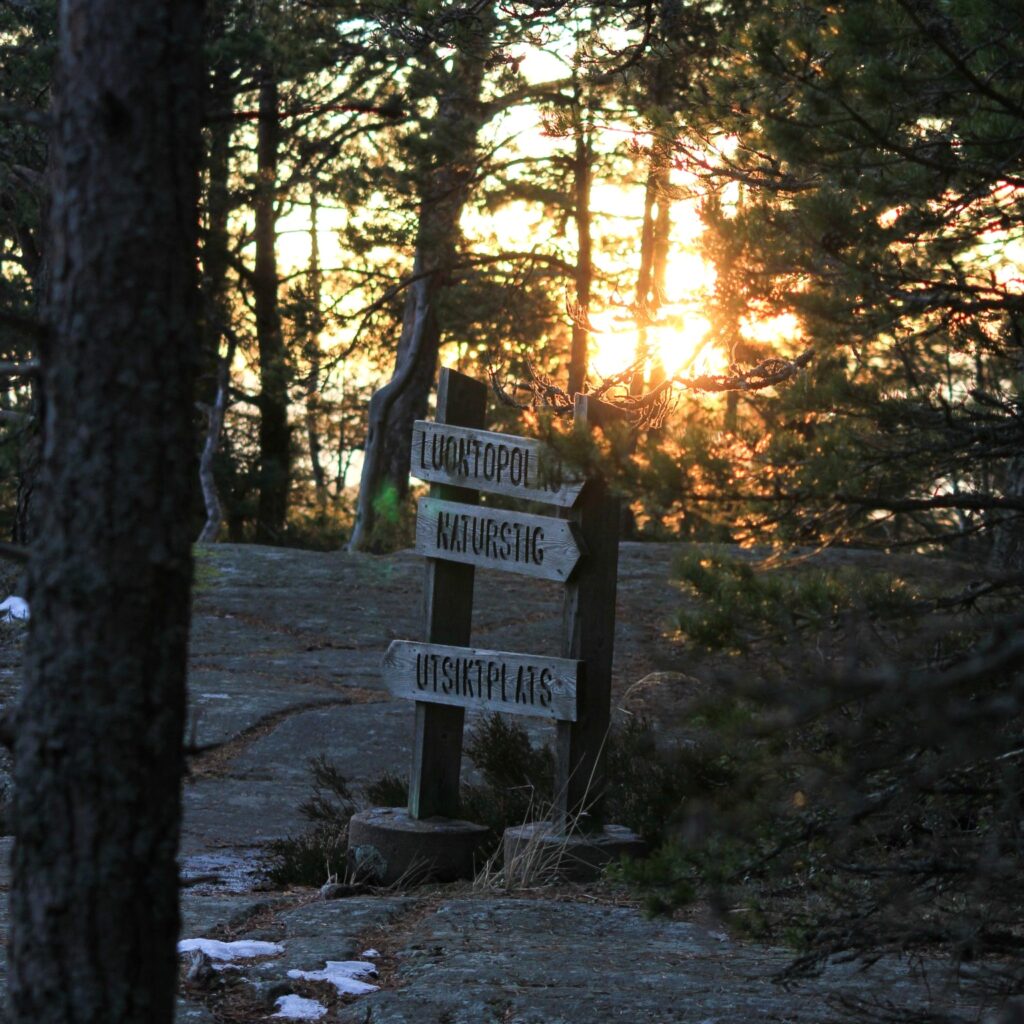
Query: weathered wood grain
530	545
448	616
517	684
519	467
581	747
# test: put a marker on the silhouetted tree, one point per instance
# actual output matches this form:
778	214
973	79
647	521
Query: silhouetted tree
98	732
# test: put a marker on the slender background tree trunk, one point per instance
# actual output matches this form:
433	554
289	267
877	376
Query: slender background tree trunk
275	437
98	733
315	325
216	369
582	168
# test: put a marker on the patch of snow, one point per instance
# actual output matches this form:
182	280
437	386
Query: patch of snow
297	1008
243	949
215	696
369	953
720	936
13	608
344	975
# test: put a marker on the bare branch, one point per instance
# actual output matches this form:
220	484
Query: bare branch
649	410
766	374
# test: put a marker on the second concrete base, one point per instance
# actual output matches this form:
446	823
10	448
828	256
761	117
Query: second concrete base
537	853
386	846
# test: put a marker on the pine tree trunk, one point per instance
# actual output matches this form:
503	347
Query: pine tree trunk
217	313
384	482
275	437
98	732
315	322
650	279
583	158
211	445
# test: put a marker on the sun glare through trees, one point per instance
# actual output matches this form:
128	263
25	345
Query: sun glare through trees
739	283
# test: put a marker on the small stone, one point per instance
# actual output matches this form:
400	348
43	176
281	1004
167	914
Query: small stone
341	890
367	863
200	973
665	700
268	992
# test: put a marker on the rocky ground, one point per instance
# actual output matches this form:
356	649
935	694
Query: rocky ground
285	654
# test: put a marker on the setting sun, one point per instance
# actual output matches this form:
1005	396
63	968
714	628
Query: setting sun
678	345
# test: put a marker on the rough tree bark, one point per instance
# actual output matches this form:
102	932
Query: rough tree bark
98	732
401	401
275	437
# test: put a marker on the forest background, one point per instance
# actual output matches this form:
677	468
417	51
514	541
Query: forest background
785	238
604	197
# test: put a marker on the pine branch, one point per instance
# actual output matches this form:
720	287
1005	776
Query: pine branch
965	502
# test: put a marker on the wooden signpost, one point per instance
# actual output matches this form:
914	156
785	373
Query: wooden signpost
444	675
518	684
518	467
513	541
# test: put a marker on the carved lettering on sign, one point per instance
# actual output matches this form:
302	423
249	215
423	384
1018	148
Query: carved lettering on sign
520	543
520	684
519	467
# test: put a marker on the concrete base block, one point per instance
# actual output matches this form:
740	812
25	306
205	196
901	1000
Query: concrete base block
537	853
386	846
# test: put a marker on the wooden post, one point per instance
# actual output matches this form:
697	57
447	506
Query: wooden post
588	636
448	615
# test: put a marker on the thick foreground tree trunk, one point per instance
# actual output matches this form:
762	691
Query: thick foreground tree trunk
384	482
98	733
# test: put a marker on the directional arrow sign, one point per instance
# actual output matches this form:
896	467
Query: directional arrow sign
520	684
520	467
514	541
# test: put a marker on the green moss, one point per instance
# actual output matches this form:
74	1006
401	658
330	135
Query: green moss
205	571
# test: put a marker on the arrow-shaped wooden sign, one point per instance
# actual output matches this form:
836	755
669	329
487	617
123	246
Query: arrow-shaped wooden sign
519	467
514	541
520	684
